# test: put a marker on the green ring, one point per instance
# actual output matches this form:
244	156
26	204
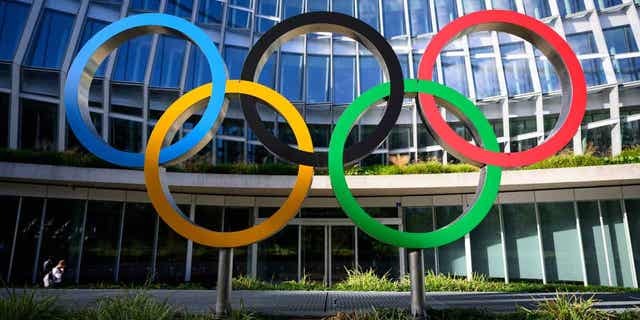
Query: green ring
472	216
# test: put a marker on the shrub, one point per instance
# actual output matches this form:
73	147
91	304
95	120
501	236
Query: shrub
26	306
139	306
358	280
569	307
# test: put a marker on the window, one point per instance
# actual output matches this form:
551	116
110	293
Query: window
198	70
593	71
7	230
472	6
537	8
343	6
238	18
38	125
50	40
451	257
241	3
268	73
312	251
570	6
291	76
204	268
401	137
132	58
486	246
101	238
627	70
125	135
633	214
13	15
180	8
504	5
266	8
616	242
278	256
370	73
521	240
344	79
455	73
138	239
27	240
172	253
620	40
582	43
210	11
91	27
317	5
516	69
630	130
317	78
343	255
231	127
602	4
420	16
229	151
167	65
393	17
234	58
291	8
368	12
446	11
560	242
4	120
522	125
547	74
483	68
145	5
420	219
380	257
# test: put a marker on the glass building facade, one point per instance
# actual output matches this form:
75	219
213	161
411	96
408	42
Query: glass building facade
510	81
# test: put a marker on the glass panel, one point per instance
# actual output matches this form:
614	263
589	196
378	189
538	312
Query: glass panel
548	77
13	15
451	257
232	127
368	12
172	253
486	246
204	265
537	8
455	73
49	43
38	125
601	4
420	16
4	119
627	70
630	134
268	73
632	207
234	58
393	17
570	6
238	19
125	135
381	258
343	6
446	11
167	65
593	244
91	27
198	71
344	79
26	241
582	43
313	252
137	242
420	219
7	230
317	78
521	239
62	235
516	70
317	5
342	252
616	241
401	137
278	256
620	40
597	140
258	154
101	236
241	3
472	6
560	242
291	8
145	5
236	219
370	73
291	76
131	60
229	151
210	11
268	7
593	72
180	8
485	77
504	5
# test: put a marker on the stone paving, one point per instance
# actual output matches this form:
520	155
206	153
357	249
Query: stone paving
322	303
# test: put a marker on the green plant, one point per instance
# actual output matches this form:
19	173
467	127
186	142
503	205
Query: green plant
139	306
374	314
569	307
359	280
27	306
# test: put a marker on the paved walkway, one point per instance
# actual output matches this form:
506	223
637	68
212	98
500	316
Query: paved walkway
321	303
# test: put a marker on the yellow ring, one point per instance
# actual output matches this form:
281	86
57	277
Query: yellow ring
164	203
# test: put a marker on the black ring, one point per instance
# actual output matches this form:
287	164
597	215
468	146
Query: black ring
323	22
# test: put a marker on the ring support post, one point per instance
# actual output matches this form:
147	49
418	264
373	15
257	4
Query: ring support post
416	272
223	287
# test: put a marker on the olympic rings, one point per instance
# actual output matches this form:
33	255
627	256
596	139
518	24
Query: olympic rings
472	215
160	152
556	49
76	91
327	22
158	191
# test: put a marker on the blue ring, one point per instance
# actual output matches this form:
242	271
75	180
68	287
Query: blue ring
79	120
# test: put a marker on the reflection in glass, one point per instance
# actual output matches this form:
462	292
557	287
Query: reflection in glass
620	40
370	73
137	242
560	242
486	246
313	253
451	257
228	151
420	16
204	265
504	5
593	243
343	6
446	11
342	252
570	6
368	12
38	125
516	70
210	11
234	59
291	8
7	230
291	76
471	6
317	78
373	254
144	5
125	135
198	72
11	26
26	241
172	253
616	241
454	73
602	4
91	27
420	219
101	236
537	8
131	60
632	207
485	77
627	70
344	79
62	234
393	17
167	65
521	239
582	43
49	43
278	256
593	71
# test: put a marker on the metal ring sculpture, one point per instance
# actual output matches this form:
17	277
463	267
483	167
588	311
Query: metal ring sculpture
428	96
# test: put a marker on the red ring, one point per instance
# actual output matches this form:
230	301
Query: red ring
450	139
